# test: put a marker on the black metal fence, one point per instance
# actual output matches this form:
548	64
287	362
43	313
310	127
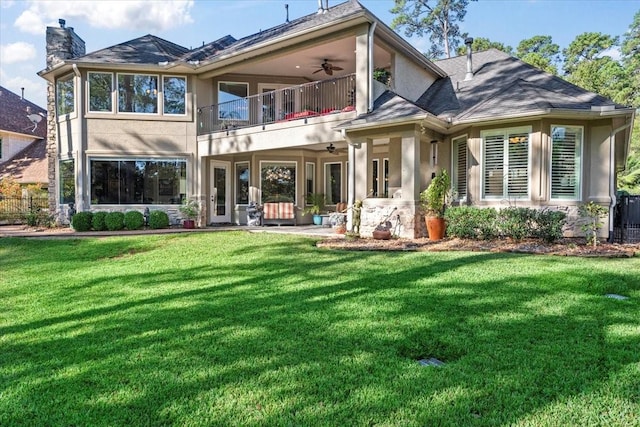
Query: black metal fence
31	210
626	225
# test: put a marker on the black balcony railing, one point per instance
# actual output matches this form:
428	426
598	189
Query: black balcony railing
292	103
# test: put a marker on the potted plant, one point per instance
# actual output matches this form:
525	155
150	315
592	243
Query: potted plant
316	205
191	210
433	202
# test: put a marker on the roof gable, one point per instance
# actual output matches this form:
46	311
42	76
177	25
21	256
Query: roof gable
21	116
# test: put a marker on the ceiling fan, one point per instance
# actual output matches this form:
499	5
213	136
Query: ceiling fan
328	68
332	149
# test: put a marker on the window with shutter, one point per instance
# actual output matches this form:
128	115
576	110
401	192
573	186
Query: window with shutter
506	163
460	166
566	148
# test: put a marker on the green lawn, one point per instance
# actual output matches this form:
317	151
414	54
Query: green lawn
233	328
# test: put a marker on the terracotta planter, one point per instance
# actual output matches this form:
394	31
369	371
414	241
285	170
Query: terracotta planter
381	234
436	227
188	223
340	229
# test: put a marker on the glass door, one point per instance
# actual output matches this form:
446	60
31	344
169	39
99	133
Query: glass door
220	197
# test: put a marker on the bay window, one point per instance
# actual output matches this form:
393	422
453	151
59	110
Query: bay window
65	95
67	181
566	151
505	165
138	93
100	87
278	181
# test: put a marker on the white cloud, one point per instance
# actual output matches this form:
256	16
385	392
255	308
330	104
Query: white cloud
35	89
17	52
145	15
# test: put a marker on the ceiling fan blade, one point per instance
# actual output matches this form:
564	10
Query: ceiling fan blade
337	68
329	71
317	71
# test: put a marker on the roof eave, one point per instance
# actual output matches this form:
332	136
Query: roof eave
557	112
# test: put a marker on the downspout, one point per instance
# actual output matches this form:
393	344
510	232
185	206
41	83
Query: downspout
372	28
612	180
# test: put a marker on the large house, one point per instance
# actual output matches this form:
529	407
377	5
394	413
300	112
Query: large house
296	109
23	133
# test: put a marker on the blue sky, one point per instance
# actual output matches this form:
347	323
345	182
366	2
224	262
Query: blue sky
191	22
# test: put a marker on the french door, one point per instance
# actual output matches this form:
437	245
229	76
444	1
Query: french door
220	194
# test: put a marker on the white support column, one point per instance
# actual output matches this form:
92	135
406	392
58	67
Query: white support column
410	166
362	69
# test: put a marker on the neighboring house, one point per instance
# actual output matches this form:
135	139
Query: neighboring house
23	132
294	110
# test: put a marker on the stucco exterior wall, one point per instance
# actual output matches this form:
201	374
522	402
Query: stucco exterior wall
408	79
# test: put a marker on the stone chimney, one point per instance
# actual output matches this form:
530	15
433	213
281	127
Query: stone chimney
62	43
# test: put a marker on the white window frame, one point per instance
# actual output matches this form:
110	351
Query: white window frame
505	159
236	179
186	90
284	163
579	161
113	103
158	94
454	165
306	179
342	175
70	114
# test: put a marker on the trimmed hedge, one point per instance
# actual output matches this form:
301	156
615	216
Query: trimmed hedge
81	221
158	219
114	221
98	221
133	220
470	222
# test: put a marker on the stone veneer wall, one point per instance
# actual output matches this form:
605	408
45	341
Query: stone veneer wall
402	216
62	43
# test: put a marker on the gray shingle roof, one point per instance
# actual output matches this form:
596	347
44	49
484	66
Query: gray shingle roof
147	49
501	85
387	108
15	112
339	11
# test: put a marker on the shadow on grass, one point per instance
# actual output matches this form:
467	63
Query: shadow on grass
237	329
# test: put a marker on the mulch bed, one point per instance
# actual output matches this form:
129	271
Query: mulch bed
564	247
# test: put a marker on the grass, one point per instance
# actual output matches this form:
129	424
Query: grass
239	329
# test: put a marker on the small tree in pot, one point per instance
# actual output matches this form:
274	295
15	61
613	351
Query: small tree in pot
316	205
433	203
191	210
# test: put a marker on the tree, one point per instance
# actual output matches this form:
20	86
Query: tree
630	49
629	179
541	52
588	66
436	18
482	43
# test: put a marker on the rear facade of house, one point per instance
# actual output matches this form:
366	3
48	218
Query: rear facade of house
296	109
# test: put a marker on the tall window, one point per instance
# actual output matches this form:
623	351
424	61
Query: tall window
232	102
100	87
310	179
333	182
137	93
67	181
506	163
385	168
374	182
174	91
139	181
459	175
65	101
242	183
278	181
566	151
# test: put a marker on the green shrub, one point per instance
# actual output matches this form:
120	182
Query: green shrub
81	221
549	225
114	221
158	219
98	221
516	223
467	222
133	220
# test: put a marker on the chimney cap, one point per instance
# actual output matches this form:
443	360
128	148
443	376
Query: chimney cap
62	22
468	40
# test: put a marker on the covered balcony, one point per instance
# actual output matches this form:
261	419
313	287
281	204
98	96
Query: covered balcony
297	102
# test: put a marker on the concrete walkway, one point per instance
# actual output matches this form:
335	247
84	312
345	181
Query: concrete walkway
24	231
